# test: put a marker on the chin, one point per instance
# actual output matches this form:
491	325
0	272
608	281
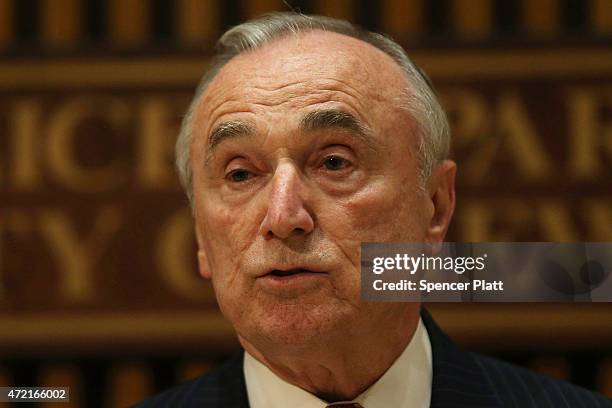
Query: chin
293	325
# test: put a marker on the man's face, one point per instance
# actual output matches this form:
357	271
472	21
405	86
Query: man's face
300	153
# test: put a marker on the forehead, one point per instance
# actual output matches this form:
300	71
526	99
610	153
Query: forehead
311	61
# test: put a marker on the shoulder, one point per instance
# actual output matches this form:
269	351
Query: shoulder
517	386
462	378
222	387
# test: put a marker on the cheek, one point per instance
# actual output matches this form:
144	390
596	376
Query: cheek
233	233
383	212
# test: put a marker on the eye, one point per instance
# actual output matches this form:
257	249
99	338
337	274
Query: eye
239	175
335	163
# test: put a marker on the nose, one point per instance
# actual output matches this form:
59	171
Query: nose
286	215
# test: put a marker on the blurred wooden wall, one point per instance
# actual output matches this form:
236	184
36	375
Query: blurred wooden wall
98	286
78	25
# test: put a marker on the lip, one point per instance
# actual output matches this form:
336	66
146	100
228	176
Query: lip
291	279
304	267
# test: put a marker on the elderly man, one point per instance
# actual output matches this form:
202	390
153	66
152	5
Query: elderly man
307	137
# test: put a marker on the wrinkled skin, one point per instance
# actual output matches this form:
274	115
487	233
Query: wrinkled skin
285	197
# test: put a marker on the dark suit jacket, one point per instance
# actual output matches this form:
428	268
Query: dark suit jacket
460	379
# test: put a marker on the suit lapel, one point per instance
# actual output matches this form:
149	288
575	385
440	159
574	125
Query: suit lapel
458	380
226	389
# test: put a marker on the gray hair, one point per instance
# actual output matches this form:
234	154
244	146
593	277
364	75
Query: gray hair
419	100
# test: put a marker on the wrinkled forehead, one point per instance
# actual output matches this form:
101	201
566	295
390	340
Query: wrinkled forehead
312	57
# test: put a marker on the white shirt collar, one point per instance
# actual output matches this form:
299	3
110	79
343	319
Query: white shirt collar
406	384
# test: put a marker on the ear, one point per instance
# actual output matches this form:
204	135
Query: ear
203	265
441	189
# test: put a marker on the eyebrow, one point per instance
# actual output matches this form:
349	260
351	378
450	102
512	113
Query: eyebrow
337	119
228	130
311	122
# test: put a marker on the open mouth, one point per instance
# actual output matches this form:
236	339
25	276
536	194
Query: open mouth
290	272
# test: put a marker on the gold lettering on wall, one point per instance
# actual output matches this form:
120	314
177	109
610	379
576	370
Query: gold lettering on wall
467	114
175	249
473	220
598	214
23	166
514	137
521	139
587	137
547	220
77	255
480	220
18	224
582	139
60	155
156	145
555	221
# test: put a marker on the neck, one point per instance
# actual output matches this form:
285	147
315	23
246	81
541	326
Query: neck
341	367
